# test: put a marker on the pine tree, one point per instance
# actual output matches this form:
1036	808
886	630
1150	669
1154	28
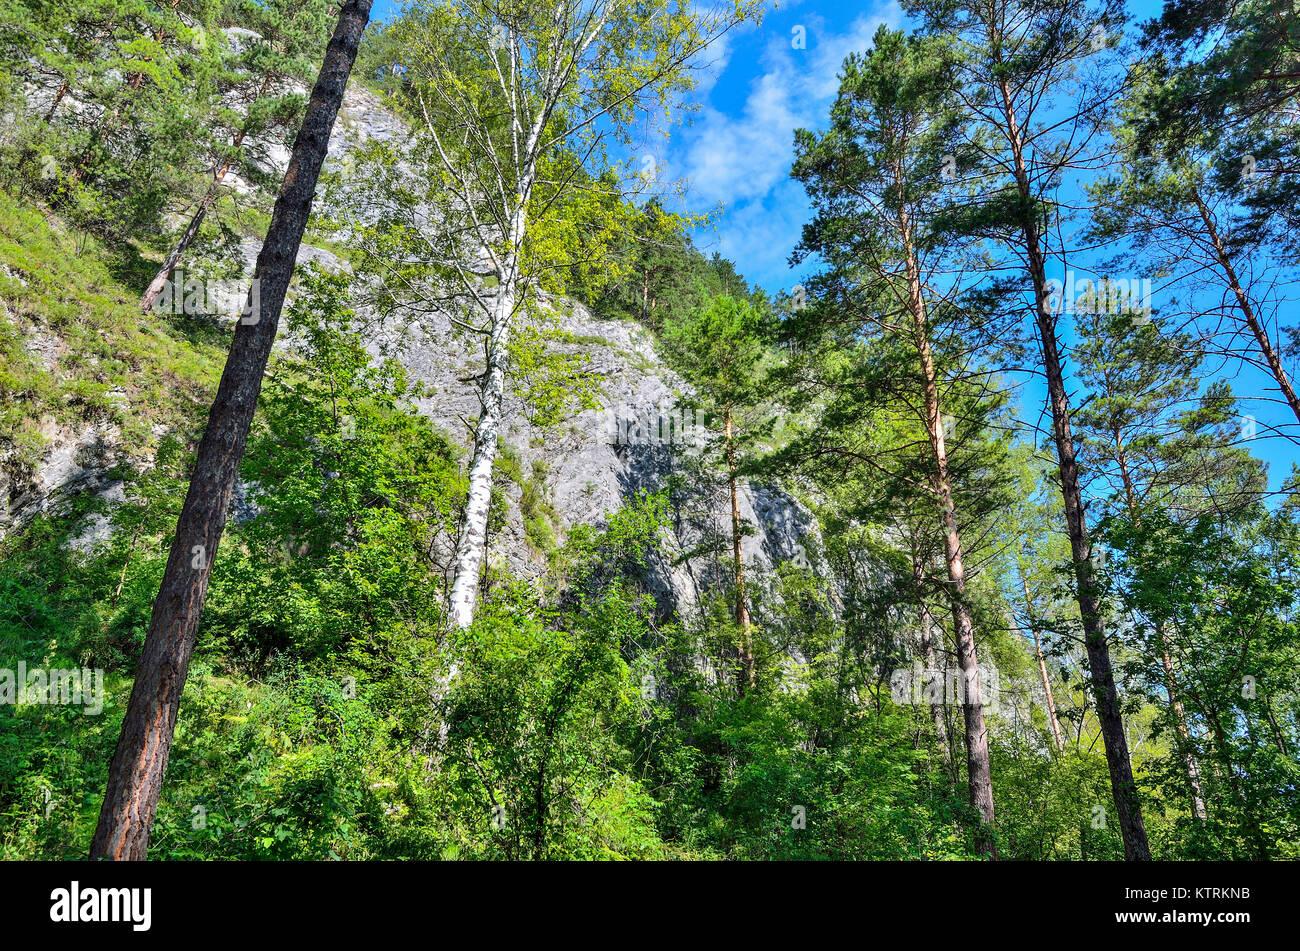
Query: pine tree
1179	199
721	350
1021	59
1229	73
140	760
253	99
877	185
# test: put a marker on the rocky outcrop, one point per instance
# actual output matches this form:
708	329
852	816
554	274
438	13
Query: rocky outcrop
642	438
639	439
75	460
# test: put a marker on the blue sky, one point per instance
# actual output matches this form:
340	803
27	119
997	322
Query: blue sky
737	151
734	154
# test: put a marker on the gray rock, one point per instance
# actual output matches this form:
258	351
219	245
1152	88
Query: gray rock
601	459
594	463
75	460
97	528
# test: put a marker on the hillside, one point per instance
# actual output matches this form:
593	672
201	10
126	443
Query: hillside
393	467
574	474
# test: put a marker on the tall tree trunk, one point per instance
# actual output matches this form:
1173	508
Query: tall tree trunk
1190	766
1247	308
140	760
978	775
1042	667
738	556
469	550
1123	789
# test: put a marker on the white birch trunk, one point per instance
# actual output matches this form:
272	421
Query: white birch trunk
469	551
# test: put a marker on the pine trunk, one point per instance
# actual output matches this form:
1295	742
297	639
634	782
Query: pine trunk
58	98
140	760
160	279
1042	669
978	775
1123	789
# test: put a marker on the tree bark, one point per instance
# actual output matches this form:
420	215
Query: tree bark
469	550
140	760
1123	788
978	775
160	279
1042	668
58	98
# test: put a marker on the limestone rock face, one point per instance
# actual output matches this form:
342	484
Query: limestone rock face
586	468
75	460
642	438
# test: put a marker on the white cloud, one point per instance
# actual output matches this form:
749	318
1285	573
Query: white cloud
743	161
712	63
760	234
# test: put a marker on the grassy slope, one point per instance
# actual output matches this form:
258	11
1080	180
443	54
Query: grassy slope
111	365
75	351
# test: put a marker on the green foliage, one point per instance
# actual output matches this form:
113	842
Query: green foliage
538	514
122	91
332	713
1222	82
556	382
1225	588
725	341
859	794
101	362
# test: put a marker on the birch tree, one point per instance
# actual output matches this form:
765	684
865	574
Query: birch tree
519	107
